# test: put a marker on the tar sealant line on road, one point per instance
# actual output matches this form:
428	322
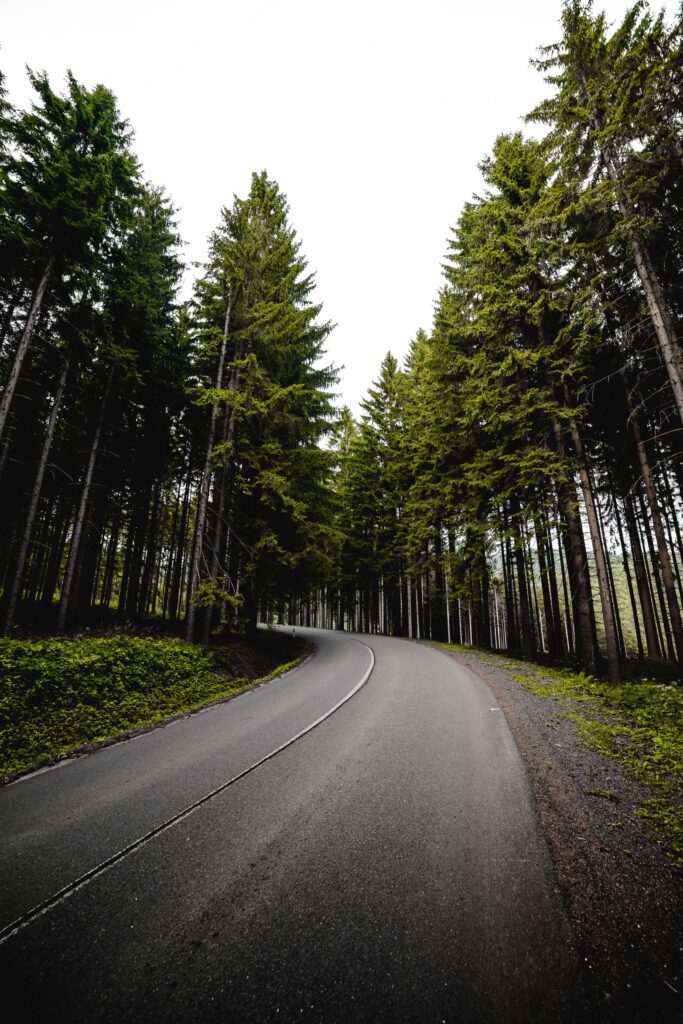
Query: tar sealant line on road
68	890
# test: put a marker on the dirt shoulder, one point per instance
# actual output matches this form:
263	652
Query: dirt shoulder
622	894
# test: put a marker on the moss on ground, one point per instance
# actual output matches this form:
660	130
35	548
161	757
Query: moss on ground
638	724
59	694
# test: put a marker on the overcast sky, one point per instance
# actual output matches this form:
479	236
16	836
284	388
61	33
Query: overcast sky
372	116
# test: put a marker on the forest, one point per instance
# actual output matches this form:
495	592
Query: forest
182	464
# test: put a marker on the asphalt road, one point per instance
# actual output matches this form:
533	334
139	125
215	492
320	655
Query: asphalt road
386	866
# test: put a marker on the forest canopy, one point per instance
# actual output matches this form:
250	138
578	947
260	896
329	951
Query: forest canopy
516	484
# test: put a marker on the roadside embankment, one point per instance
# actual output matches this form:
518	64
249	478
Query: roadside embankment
63	697
606	767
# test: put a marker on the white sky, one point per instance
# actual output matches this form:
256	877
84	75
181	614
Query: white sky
372	116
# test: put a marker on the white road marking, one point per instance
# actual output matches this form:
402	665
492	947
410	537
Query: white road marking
68	890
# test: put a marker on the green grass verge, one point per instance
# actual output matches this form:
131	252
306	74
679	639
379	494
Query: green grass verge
57	695
637	724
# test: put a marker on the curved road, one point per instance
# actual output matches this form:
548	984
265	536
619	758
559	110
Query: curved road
386	866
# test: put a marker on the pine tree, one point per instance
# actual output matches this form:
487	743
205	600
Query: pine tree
66	174
601	113
270	475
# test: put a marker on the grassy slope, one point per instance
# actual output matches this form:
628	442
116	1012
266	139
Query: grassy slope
638	724
57	694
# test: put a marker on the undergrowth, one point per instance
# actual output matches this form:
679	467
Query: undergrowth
59	694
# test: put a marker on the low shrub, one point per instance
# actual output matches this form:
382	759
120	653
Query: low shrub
58	694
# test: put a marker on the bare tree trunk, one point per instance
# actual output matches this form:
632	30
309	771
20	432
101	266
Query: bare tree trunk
552	627
583	615
532	591
204	486
654	581
547	542
672	519
569	625
610	576
11	306
35	574
171	551
611	641
152	537
60	535
110	562
24	342
629	581
528	642
33	504
662	549
510	606
80	515
176	568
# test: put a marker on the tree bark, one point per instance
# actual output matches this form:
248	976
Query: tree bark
662	548
569	624
629	581
654	582
24	342
552	630
611	640
9	315
204	486
70	570
583	615
528	642
33	504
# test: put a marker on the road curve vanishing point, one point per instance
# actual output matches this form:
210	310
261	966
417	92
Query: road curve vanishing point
386	865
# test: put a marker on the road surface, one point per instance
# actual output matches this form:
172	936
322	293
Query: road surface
385	866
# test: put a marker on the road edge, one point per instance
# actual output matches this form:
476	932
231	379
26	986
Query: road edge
86	749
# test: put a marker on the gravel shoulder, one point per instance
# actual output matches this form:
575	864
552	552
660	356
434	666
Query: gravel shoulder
622	894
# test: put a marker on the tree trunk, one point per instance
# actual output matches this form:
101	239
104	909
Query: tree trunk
676	547
80	516
629	581
204	486
528	643
177	572
24	342
152	540
168	578
610	577
33	504
668	578
60	535
559	642
583	616
654	582
510	610
552	627
7	321
110	562
611	641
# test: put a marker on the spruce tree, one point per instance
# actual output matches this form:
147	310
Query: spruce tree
270	405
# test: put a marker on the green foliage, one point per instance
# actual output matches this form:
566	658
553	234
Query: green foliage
56	695
274	397
68	175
